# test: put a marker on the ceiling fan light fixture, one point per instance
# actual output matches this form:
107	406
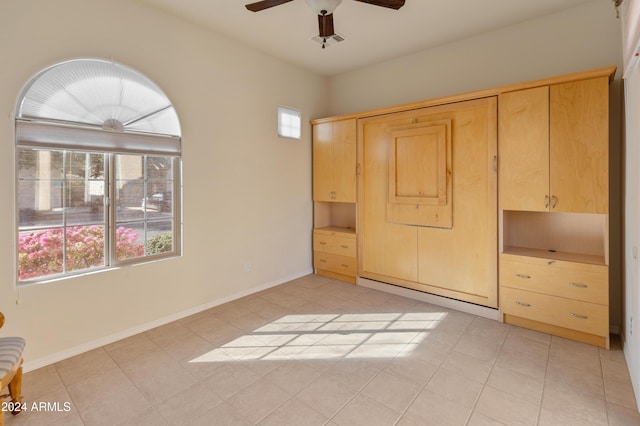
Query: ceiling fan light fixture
323	7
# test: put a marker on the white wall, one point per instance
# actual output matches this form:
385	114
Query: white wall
632	234
631	44
580	38
247	193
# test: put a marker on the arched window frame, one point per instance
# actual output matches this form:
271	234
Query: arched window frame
98	171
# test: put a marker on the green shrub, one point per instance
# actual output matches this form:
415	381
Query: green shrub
159	244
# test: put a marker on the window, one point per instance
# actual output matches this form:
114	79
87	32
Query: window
98	171
289	123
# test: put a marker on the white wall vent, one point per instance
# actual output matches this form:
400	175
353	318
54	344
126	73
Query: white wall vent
327	41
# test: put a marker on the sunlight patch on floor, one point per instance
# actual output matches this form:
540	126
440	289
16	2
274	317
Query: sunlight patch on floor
330	336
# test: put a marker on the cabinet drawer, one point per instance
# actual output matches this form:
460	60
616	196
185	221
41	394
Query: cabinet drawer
575	315
573	280
333	262
343	246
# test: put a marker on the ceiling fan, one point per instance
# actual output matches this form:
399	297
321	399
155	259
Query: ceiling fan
324	9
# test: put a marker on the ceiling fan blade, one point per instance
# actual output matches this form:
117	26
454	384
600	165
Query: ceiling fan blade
265	4
325	23
391	4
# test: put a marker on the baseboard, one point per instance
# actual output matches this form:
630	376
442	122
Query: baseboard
445	302
94	344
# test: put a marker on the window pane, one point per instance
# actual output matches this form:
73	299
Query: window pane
84	247
129	240
40	188
145	205
289	122
159	201
159	237
159	180
130	186
40	253
85	188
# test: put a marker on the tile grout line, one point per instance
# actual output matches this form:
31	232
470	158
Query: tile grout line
484	385
424	385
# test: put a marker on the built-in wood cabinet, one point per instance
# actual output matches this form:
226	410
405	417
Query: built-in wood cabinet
554	143
554	203
498	197
334	198
334	161
334	252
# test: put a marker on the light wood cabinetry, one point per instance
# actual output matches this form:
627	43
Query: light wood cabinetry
334	196
497	197
334	252
428	200
554	203
554	143
334	161
569	299
524	149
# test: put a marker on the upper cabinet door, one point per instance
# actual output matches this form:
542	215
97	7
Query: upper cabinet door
344	161
579	145
323	162
334	161
524	149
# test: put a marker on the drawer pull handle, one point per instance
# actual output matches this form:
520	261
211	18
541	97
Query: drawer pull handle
343	246
524	276
526	305
578	285
322	243
578	316
323	261
344	265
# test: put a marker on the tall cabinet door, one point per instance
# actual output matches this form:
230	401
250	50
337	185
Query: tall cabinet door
344	161
334	161
389	249
524	149
579	145
323	162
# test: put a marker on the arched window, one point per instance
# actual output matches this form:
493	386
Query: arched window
98	170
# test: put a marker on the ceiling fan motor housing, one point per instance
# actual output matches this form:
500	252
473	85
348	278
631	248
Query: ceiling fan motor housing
323	7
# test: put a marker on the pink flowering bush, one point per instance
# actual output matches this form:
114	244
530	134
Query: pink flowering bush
40	252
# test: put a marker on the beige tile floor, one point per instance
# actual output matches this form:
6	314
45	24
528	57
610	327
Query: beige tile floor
316	351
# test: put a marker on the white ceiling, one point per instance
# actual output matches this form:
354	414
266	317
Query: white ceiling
373	34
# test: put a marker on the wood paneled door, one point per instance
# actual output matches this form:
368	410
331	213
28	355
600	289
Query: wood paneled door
428	200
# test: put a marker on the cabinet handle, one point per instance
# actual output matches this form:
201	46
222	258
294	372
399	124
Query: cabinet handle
343	246
554	201
546	201
526	305
523	276
495	164
578	316
323	261
322	243
344	265
578	285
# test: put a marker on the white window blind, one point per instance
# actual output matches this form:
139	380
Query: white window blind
289	122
